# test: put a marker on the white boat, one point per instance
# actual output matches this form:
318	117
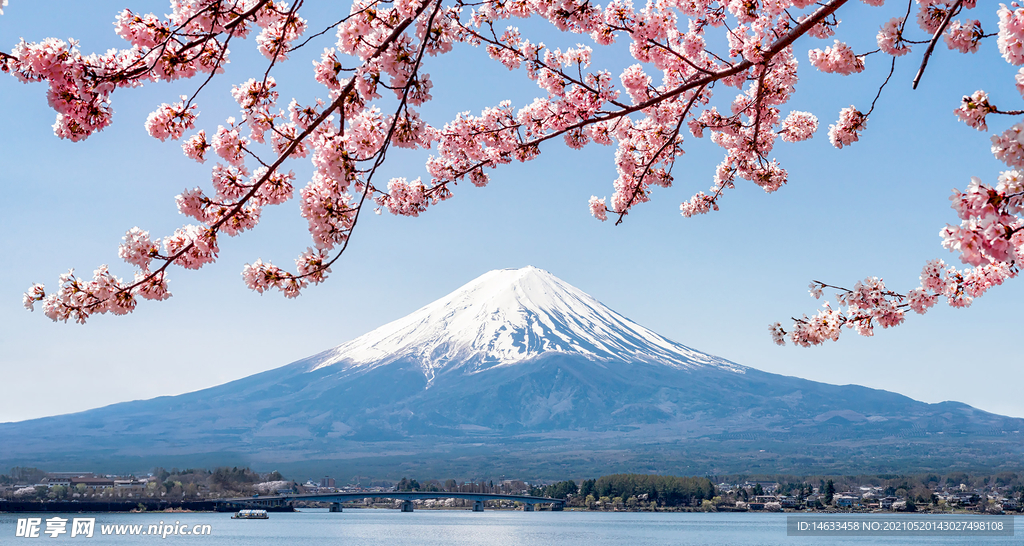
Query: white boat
251	514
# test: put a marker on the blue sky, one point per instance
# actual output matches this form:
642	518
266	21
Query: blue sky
714	282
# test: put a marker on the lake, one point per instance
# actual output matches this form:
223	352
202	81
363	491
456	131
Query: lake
372	527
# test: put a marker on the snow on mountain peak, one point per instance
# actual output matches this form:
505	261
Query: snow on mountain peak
509	316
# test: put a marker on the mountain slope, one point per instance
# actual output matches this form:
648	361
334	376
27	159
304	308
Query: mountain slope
510	316
520	373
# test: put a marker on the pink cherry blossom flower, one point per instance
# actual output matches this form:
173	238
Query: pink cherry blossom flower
36	292
798	126
1011	34
405	198
229	145
847	130
255	94
171	120
598	209
920	300
930	16
195	146
280	26
145	31
964	36
837	59
138	249
193	245
890	38
1008	146
973	110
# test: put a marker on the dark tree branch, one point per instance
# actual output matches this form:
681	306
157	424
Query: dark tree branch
934	40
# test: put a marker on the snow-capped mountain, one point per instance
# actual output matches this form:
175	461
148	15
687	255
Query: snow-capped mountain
510	316
519	373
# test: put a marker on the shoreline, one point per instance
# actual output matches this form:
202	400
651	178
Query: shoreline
209	506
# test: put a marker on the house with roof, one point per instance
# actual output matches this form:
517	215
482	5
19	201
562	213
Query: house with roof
846	500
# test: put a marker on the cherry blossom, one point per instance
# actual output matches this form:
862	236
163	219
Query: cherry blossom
1008	146
847	130
890	38
964	36
838	59
598	208
138	249
1011	34
798	126
281	26
974	109
195	146
989	239
725	71
171	120
229	144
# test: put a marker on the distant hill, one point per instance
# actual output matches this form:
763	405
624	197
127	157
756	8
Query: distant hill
518	373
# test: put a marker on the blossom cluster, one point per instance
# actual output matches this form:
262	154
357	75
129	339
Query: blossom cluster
890	38
990	240
990	227
870	302
161	50
974	109
375	87
990	236
1011	33
171	120
964	37
838	59
847	130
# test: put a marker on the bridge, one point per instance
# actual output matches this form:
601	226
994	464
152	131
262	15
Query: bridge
276	501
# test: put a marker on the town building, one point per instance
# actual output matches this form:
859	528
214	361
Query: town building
92	484
846	500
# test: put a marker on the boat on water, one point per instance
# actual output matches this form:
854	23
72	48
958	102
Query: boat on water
251	514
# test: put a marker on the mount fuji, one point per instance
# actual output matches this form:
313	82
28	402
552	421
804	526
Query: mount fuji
508	317
519	373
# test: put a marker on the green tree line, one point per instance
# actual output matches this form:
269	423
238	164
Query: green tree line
665	490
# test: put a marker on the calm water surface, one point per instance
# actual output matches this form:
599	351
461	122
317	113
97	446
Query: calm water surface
448	527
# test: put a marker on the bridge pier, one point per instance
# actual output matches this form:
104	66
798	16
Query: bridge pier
478	506
528	507
407	506
556	506
335	507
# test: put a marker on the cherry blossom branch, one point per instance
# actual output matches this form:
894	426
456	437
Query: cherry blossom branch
881	87
988	240
777	47
217	63
349	138
368	188
537	62
638	187
757	107
338	102
935	38
80	308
